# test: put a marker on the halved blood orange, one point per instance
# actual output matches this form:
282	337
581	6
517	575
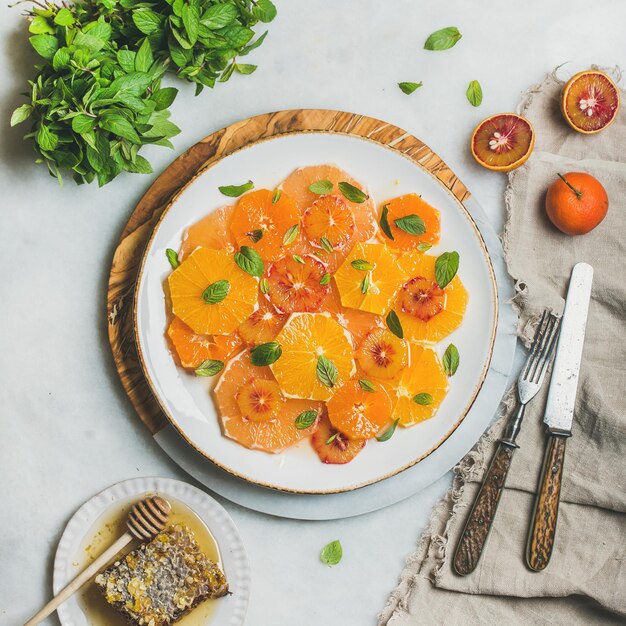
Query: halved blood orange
357	413
369	278
381	354
212	231
263	325
329	217
188	284
272	435
407	205
423	378
294	283
503	142
334	447
192	349
426	312
261	223
590	101
304	339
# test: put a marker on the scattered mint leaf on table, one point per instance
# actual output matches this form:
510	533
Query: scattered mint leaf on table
474	93
409	88
331	553
443	39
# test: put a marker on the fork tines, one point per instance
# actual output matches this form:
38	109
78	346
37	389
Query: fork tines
543	345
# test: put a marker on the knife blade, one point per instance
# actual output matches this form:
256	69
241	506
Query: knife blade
558	417
559	412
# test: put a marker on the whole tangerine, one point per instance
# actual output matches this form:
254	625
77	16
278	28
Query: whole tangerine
576	203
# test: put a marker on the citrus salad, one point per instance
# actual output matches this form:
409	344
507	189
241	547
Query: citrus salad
317	312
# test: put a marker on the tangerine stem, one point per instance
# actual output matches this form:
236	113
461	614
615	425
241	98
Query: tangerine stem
579	194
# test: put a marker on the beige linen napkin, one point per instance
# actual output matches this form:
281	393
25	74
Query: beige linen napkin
585	581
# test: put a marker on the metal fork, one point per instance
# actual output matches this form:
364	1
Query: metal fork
483	511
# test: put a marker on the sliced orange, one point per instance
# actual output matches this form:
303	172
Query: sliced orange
212	231
304	339
403	207
373	289
426	312
272	435
365	214
503	142
256	215
263	325
357	413
333	447
331	218
381	354
590	101
424	378
295	283
192	349
188	282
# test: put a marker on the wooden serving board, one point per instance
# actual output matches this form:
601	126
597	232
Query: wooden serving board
201	156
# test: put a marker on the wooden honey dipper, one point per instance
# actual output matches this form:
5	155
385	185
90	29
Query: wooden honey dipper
147	518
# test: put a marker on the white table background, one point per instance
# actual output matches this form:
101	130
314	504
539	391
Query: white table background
67	429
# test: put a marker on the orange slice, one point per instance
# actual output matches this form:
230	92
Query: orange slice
381	354
329	217
426	312
202	268
192	349
424	376
357	413
256	214
370	290
263	325
259	400
295	283
304	339
404	206
212	231
333	447
271	435
503	142
590	101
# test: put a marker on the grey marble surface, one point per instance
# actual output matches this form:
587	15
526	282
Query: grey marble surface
66	427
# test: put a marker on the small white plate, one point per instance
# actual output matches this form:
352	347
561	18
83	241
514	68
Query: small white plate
186	399
70	556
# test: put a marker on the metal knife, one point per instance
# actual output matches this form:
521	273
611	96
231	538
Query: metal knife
559	415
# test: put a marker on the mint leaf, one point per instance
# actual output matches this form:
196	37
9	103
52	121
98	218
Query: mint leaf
306	419
45	45
451	360
362	264
443	39
409	88
388	434
331	553
321	187
446	267
352	193
384	223
264	10
393	324
423	398
423	246
474	93
172	257
250	261
276	197
326	371
298	258
245	68
264	285
291	235
21	114
326	244
147	21
216	292
365	283
367	385
210	367
255	235
324	280
265	354
234	191
412	224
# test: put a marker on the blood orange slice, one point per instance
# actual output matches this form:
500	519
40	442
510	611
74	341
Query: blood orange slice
381	354
590	101
503	142
212	231
295	283
237	386
329	218
400	212
192	349
334	447
263	325
261	222
357	413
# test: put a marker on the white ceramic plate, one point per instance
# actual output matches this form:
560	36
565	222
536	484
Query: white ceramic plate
70	554
186	399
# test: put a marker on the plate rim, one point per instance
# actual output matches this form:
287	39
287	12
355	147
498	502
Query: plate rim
308	129
98	504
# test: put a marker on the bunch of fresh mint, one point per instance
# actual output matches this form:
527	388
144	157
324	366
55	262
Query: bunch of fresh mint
97	97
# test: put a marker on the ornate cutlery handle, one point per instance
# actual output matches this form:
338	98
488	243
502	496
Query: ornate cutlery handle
543	528
483	512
